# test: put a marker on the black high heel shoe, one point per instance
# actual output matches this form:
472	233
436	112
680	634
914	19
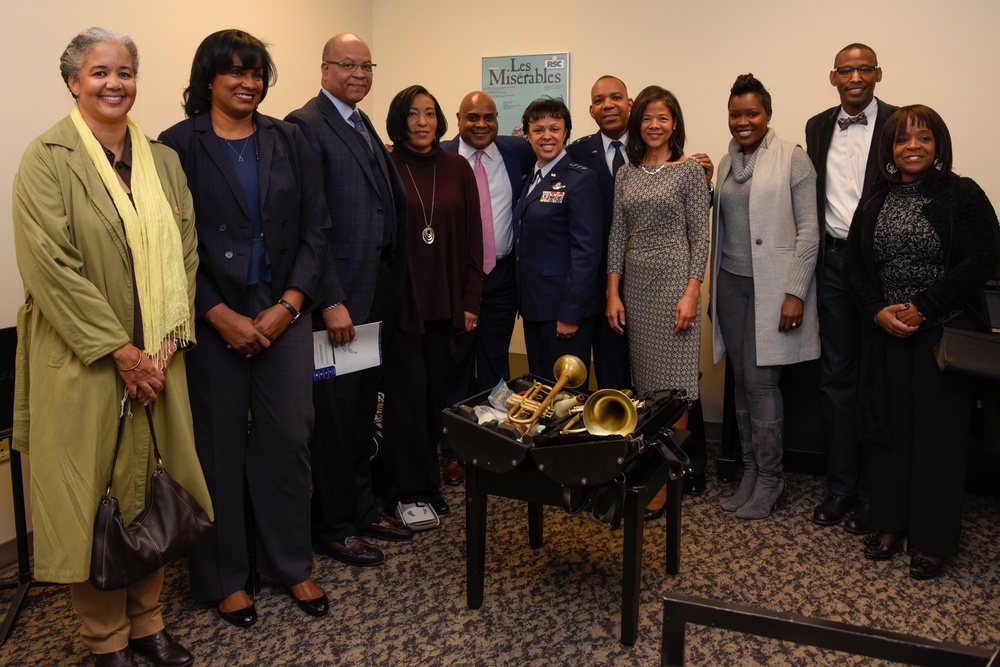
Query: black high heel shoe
923	568
876	547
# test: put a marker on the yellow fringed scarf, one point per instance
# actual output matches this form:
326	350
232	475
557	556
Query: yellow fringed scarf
153	237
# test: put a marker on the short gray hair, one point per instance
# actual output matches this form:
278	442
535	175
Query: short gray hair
72	58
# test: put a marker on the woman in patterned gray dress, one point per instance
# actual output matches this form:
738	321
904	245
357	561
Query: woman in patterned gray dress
921	248
659	243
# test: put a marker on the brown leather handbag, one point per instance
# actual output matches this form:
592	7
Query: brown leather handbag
171	522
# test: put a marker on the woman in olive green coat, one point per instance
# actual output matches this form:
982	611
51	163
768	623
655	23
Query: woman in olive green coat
106	246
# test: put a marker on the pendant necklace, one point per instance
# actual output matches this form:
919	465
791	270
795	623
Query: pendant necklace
428	234
239	155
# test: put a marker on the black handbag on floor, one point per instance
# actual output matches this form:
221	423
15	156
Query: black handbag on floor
171	522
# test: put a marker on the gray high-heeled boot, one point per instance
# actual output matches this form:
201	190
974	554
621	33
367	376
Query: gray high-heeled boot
749	481
768	441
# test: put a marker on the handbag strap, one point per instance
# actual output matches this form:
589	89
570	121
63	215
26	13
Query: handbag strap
118	446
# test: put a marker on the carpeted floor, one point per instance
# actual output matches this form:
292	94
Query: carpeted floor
559	605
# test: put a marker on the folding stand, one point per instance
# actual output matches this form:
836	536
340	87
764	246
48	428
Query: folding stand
24	581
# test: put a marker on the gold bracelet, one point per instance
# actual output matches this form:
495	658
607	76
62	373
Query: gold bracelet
137	362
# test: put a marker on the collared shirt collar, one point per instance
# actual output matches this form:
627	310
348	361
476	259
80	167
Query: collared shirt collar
548	167
469	153
345	109
606	140
870	111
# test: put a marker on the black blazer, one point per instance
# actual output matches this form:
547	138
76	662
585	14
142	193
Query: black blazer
293	212
819	135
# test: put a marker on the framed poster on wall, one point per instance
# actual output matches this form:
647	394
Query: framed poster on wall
515	81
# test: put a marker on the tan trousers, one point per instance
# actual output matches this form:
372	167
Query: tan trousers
111	617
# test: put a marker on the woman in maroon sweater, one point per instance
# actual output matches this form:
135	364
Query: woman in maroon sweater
437	317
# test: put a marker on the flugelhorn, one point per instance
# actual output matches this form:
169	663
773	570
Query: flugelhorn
527	409
606	412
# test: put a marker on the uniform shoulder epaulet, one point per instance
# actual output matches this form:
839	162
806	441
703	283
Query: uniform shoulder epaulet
578	167
580	140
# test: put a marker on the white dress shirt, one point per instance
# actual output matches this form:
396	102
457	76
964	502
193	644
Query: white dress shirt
845	170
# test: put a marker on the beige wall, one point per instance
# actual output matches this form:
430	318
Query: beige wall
930	52
35	34
937	53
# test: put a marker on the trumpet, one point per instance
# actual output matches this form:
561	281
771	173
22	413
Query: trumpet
606	412
528	408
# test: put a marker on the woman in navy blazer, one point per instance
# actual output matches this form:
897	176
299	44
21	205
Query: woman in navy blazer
558	237
261	221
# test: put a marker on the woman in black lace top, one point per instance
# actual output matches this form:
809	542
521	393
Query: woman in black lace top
919	253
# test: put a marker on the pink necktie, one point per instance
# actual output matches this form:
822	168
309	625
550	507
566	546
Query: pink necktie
486	213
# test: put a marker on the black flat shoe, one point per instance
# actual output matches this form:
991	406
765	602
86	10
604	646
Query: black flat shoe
316	607
161	649
653	515
922	568
694	485
877	549
241	618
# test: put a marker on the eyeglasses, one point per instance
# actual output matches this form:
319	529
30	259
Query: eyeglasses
367	68
864	70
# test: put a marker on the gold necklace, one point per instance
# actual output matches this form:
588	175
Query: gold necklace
428	234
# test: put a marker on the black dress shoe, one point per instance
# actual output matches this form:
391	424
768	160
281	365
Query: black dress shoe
315	607
859	522
387	528
832	511
241	618
121	658
694	485
440	506
161	649
923	568
354	550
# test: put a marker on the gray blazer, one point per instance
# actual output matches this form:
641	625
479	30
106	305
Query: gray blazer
784	243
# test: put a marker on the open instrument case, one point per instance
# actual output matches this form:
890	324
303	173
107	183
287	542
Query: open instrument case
571	460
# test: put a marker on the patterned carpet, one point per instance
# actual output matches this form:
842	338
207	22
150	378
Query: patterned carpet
559	605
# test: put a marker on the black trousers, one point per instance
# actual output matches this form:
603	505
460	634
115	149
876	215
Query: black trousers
416	372
342	443
275	385
918	478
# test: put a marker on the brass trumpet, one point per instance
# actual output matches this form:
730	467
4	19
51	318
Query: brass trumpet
527	409
606	412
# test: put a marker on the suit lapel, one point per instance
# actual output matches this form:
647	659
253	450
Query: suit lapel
265	146
211	143
872	171
825	139
348	135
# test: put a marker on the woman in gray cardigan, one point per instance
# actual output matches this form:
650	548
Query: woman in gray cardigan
765	237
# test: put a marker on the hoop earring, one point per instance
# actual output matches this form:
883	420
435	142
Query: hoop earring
210	86
891	168
938	164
